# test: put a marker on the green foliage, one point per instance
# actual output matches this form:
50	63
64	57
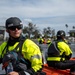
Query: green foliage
32	31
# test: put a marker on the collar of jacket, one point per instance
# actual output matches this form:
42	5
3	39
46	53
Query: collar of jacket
12	41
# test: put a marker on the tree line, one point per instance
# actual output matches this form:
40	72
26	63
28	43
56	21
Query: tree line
32	31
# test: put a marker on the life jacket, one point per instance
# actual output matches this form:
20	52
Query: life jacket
53	49
54	53
40	41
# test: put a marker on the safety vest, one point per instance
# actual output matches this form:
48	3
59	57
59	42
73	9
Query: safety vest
54	53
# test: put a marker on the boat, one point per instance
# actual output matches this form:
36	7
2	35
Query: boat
52	71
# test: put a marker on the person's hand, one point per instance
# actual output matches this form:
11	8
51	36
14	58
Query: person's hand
13	73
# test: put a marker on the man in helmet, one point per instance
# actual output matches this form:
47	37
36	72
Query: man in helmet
27	51
61	35
59	53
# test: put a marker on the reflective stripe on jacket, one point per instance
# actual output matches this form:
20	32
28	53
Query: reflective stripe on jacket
55	59
30	52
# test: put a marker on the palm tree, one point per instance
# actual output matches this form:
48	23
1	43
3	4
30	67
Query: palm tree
73	27
66	28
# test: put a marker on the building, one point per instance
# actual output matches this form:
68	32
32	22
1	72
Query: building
2	33
72	33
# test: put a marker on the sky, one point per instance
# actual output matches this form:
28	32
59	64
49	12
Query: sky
43	13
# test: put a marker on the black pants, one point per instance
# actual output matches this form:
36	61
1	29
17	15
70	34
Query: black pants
68	64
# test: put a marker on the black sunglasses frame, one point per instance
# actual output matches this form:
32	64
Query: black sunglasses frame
13	28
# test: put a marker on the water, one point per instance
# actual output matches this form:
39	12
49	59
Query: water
44	48
73	49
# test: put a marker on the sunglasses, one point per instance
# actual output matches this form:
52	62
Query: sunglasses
13	28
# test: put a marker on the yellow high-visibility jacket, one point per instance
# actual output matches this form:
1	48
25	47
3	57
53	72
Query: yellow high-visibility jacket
30	51
64	48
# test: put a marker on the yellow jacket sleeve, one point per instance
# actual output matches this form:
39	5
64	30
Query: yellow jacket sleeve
2	46
64	48
32	52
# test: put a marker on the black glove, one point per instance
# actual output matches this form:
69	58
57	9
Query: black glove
68	57
20	67
28	72
24	73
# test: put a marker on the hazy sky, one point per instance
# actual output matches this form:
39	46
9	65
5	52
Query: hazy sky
43	13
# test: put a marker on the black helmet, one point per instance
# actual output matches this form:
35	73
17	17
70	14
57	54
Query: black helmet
60	34
13	21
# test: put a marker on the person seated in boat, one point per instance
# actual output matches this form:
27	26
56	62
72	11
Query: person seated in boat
25	48
40	40
44	40
59	53
49	41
